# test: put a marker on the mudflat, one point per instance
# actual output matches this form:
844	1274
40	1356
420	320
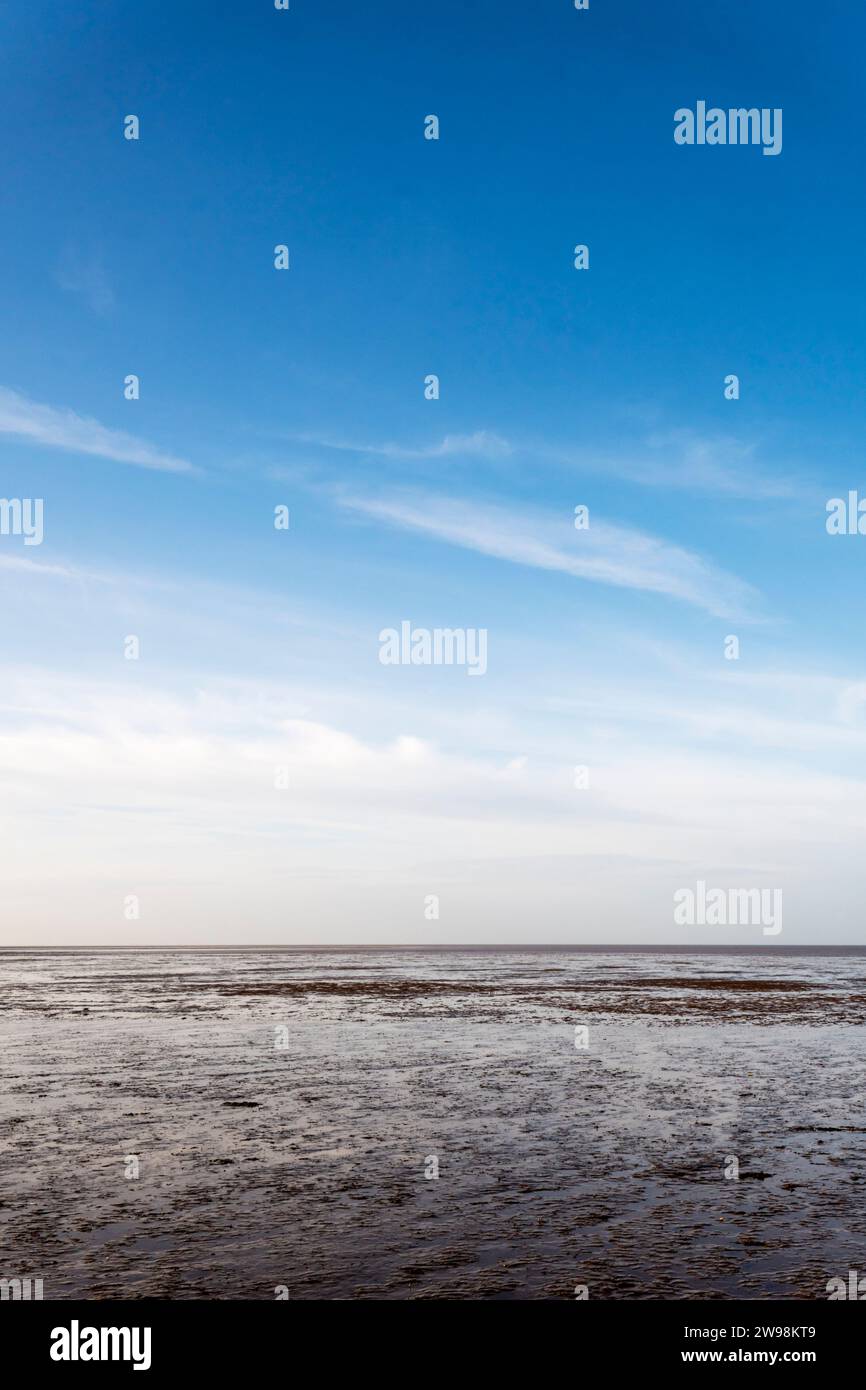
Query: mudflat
256	1123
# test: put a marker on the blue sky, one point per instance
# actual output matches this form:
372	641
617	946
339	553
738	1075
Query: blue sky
259	648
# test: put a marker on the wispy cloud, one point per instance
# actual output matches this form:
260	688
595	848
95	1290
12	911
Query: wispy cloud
63	429
84	274
603	553
21	564
479	444
719	465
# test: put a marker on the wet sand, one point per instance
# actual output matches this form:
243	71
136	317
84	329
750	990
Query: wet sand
285	1106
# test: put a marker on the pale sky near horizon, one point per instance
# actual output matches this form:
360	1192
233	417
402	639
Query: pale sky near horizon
257	774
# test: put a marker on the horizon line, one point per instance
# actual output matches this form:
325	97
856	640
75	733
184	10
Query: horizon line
458	946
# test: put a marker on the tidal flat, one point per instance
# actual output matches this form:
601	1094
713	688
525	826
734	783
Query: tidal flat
229	1124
